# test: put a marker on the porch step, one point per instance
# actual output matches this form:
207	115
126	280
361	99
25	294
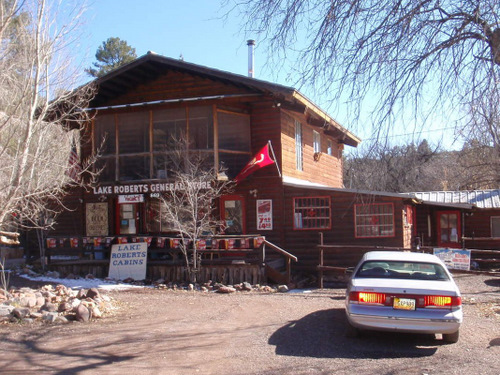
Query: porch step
275	276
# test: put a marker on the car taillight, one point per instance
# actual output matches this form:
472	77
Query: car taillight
367	297
442	301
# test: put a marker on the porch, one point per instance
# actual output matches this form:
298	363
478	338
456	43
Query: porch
225	259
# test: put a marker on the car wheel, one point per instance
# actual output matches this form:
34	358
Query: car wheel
351	331
451	337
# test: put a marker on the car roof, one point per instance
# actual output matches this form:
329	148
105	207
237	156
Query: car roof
400	255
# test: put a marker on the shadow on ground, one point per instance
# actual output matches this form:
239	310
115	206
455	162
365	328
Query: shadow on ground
322	335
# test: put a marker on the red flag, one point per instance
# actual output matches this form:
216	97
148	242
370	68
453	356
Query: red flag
260	160
74	168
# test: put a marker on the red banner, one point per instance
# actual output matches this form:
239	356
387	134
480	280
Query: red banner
260	160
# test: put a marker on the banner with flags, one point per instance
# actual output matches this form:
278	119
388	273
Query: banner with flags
260	160
74	168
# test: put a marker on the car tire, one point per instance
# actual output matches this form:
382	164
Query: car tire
451	337
351	331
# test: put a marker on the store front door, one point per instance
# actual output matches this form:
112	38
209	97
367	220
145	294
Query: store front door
233	214
449	230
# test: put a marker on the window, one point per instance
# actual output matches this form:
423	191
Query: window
495	226
234	141
329	147
298	145
374	220
311	213
316	141
155	218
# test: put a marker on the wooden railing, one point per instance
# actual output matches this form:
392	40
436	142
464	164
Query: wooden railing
271	271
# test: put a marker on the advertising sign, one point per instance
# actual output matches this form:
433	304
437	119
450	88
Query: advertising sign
264	214
128	260
455	259
96	219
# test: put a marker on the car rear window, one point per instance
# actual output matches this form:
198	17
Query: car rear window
402	270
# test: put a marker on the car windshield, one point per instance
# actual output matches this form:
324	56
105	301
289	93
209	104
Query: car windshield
402	270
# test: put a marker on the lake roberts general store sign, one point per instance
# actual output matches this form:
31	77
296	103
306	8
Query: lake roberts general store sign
146	188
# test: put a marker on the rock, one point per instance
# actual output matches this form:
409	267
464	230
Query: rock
226	289
93	293
246	286
28	301
49	306
65	306
50	317
90	277
190	287
36	315
6	310
204	289
282	289
83	314
82	294
20	313
96	313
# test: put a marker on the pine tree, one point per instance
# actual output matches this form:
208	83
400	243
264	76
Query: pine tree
112	54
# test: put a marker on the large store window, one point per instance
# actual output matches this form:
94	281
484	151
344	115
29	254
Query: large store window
312	213
155	220
374	220
128	153
234	141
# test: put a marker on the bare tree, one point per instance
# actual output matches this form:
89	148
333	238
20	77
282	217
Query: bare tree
423	57
396	169
40	117
188	207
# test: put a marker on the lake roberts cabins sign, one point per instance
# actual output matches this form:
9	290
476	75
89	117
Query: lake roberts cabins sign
128	260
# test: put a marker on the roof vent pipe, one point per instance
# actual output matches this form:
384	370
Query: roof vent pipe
251	57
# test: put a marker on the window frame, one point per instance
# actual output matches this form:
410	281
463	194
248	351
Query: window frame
316	141
327	219
491	226
299	157
356	225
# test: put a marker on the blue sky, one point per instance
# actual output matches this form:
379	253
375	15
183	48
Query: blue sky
197	30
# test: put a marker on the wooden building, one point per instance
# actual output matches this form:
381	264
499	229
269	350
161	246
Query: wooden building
295	204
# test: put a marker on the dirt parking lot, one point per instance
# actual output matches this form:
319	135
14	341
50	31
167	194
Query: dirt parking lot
165	332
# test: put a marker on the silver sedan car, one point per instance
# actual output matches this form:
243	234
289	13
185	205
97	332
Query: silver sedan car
403	292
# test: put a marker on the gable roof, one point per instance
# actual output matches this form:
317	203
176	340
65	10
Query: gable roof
476	198
151	65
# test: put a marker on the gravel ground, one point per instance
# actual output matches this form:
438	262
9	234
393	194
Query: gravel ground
175	332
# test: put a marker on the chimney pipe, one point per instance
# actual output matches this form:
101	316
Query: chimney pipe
251	57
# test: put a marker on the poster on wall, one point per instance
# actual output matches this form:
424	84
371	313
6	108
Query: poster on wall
128	261
264	214
97	219
455	259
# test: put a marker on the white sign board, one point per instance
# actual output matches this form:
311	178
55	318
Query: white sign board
455	259
264	214
128	260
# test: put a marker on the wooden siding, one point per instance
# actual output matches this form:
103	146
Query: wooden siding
176	85
326	170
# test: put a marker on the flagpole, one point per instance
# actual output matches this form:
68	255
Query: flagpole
274	156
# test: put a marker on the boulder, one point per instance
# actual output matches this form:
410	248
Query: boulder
226	289
20	313
93	293
83	314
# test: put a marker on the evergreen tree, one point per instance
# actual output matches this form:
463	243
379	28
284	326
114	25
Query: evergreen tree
112	54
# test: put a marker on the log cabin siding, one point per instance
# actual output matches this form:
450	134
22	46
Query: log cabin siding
176	85
325	170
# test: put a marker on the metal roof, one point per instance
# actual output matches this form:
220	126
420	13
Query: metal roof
477	198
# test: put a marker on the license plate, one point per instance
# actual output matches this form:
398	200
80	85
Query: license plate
404	303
